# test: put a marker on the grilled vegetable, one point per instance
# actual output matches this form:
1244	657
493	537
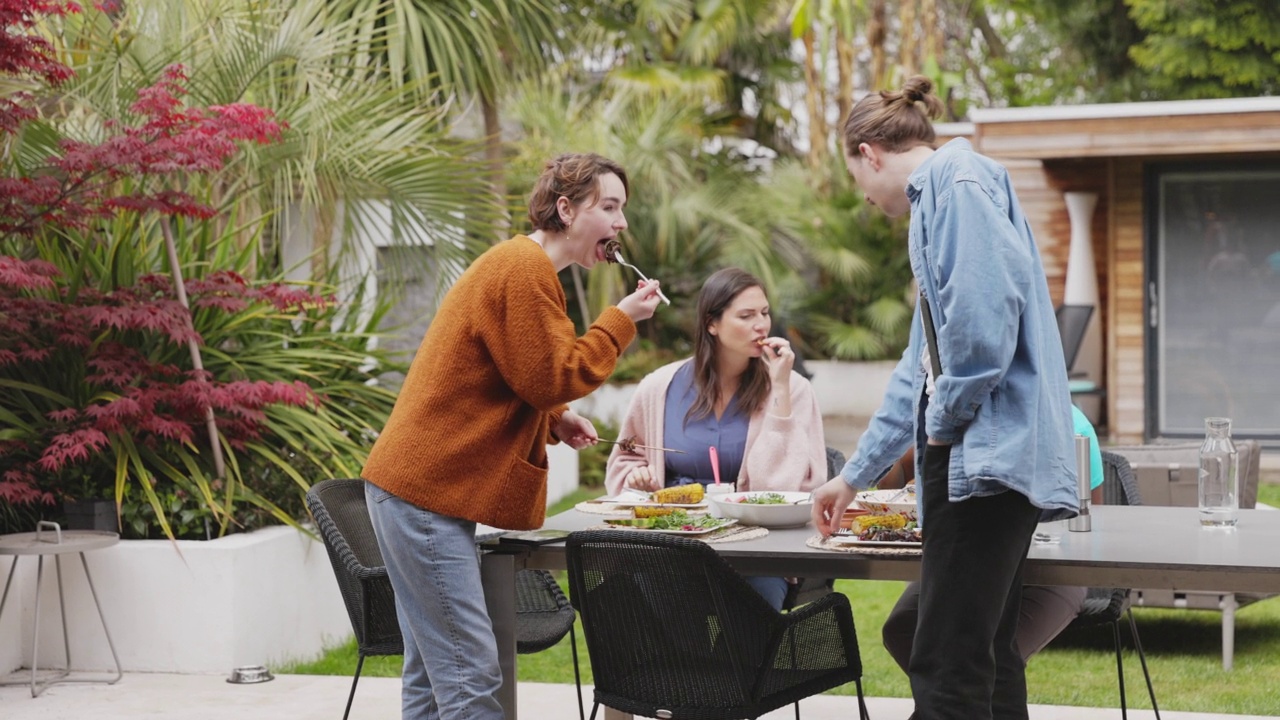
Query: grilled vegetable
631	522
681	494
886	522
649	511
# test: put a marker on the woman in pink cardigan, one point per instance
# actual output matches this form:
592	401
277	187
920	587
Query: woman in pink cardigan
737	393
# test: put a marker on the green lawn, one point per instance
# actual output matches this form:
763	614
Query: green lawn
1183	651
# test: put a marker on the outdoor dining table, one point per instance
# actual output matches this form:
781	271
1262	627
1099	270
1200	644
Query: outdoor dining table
1128	546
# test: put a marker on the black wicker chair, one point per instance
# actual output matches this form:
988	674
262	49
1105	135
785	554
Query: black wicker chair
1103	606
342	517
674	632
808	589
543	617
543	614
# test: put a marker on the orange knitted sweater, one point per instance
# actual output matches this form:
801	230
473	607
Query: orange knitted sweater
467	436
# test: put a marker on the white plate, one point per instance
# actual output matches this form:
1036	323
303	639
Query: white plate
699	531
849	538
632	498
854	540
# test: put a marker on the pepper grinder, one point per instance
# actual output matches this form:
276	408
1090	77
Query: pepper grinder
1084	521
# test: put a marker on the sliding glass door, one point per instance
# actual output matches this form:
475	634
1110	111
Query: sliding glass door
1213	298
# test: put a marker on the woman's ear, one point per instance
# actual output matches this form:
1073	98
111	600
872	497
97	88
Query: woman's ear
565	209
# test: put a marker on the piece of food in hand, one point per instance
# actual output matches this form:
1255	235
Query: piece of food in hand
762	341
650	511
690	494
611	250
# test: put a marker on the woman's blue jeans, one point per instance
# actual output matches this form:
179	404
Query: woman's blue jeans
450	655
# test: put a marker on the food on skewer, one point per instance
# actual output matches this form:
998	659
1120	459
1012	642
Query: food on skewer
628	444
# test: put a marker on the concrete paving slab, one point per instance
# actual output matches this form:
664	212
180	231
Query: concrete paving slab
155	696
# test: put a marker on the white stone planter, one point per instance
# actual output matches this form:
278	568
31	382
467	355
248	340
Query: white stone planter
190	607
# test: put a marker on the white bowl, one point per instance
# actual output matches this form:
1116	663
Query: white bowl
888	502
794	512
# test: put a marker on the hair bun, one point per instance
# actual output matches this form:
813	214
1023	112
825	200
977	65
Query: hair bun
917	88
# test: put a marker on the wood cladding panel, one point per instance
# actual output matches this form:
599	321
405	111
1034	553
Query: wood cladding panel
1131	137
1126	377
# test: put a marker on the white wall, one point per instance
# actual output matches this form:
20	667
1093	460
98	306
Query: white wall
248	599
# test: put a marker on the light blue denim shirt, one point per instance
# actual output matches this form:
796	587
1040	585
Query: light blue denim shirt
1002	398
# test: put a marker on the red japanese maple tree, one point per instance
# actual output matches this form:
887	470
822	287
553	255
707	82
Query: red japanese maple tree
120	394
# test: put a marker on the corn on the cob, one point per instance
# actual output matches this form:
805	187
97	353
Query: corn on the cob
680	494
890	522
650	511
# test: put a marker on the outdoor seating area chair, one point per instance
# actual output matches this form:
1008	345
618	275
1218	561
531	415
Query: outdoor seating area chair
1167	474
1108	606
543	614
808	589
673	631
1073	320
342	518
543	617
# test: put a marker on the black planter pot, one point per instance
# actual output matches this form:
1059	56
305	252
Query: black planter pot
90	515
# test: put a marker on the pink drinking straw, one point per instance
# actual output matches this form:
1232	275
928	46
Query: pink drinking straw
715	463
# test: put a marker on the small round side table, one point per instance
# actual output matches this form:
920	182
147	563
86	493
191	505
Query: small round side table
50	539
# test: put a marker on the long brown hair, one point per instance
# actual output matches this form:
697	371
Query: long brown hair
895	121
717	294
575	176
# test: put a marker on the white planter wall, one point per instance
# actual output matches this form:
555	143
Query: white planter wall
197	607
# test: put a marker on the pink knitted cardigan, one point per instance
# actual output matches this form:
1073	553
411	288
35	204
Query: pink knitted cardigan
782	453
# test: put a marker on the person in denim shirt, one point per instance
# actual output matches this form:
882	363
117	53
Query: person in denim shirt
984	404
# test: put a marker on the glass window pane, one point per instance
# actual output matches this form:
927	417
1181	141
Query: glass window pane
1218	280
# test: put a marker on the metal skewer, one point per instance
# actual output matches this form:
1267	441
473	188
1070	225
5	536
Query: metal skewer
642	447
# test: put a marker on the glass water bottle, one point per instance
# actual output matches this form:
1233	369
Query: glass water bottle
1219	475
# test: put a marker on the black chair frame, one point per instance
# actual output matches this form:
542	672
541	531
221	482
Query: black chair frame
674	632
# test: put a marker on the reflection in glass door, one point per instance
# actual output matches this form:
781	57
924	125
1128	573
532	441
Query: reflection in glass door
1214	299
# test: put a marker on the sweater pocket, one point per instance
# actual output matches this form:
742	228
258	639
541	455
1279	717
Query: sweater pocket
525	491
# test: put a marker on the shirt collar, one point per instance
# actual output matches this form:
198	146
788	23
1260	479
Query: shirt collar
917	179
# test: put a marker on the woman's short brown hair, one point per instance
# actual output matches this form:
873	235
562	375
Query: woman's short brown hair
575	176
894	121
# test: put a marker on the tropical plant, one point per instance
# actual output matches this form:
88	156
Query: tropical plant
362	159
99	390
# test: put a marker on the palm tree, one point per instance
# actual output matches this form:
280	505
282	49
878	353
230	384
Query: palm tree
463	51
360	157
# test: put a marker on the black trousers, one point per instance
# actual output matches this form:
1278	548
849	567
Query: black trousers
965	662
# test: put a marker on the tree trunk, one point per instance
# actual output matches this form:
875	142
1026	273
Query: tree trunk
814	104
907	45
932	31
180	287
493	158
846	56
876	32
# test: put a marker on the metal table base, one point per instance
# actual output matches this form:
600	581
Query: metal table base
50	539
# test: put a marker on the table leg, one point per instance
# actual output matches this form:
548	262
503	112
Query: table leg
498	577
93	591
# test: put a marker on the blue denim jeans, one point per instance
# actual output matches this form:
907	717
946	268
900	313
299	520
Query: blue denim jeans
450	655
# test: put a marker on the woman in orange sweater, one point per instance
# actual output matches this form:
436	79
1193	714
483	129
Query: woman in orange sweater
466	441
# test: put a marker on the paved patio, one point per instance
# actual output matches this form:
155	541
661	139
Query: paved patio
147	696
